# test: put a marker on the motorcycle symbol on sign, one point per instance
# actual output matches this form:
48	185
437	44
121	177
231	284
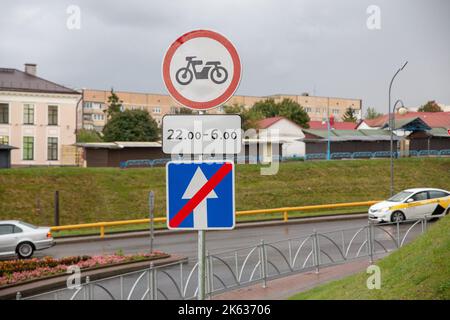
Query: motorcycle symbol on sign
185	75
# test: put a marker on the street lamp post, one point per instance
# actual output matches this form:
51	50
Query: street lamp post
393	121
391	127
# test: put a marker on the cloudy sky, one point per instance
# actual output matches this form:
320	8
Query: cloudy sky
321	47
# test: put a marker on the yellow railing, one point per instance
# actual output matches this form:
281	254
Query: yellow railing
285	211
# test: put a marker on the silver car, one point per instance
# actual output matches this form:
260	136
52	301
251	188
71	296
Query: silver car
21	239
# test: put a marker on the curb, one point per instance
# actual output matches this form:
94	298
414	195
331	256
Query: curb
242	225
50	284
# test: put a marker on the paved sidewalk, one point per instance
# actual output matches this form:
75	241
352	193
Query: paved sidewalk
285	287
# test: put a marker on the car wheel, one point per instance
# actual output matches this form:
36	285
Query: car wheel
25	250
397	216
447	212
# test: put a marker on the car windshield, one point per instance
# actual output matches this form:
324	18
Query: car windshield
27	225
399	197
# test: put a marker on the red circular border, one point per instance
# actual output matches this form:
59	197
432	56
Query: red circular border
236	66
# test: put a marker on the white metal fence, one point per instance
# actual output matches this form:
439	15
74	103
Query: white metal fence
227	270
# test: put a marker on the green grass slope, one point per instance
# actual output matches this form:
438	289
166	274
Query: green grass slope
420	270
104	194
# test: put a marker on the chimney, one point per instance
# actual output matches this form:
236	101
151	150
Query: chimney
31	68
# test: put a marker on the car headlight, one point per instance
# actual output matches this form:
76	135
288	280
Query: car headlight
382	210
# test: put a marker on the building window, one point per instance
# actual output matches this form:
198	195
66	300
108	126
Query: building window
52	148
4	140
4	113
28	148
88	105
98	117
336	111
157	110
317	110
97	105
52	115
28	114
308	109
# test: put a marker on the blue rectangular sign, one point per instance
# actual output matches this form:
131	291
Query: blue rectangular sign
200	195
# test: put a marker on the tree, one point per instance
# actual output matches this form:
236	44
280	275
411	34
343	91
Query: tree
131	125
349	115
249	117
430	106
85	135
287	108
292	110
268	108
114	104
371	113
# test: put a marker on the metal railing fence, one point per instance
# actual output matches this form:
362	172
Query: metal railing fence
258	263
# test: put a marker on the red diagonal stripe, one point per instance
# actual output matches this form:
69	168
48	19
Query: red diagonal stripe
200	195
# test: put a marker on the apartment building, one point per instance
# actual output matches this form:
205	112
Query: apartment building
158	105
38	117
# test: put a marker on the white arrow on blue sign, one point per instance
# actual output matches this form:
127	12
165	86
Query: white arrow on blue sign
200	195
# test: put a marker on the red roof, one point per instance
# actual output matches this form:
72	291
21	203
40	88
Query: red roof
433	119
265	123
337	125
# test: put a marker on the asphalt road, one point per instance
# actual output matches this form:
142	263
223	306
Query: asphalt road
234	255
186	243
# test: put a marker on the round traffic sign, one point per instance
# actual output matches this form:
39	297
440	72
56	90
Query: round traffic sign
201	69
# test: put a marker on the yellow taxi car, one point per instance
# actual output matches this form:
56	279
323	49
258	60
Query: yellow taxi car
411	204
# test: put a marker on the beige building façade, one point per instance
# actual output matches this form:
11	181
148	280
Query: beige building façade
95	103
38	117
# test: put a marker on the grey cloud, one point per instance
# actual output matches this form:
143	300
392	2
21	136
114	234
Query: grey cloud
322	47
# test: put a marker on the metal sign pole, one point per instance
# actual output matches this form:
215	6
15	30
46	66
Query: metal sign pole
151	205
201	265
201	257
228	66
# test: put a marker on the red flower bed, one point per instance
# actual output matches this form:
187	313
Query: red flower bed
15	271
